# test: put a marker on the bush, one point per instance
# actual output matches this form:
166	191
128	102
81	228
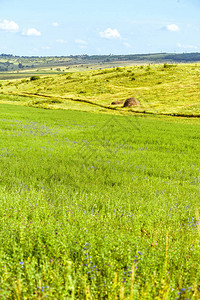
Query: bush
35	77
168	65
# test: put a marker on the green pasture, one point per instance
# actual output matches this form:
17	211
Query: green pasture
98	206
171	89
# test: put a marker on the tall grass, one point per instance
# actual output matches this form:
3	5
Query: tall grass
98	207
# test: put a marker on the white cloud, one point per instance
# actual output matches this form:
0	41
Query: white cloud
172	27
192	47
110	34
31	32
9	25
55	24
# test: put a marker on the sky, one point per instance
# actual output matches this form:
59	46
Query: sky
76	27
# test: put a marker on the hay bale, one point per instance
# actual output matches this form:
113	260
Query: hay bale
131	102
117	102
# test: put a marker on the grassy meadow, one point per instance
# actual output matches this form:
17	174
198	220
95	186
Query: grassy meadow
170	89
99	206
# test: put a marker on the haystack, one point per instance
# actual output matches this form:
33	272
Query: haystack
131	102
117	102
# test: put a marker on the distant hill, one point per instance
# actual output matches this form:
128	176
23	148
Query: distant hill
154	57
9	62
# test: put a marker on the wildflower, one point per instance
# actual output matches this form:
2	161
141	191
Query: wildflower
182	291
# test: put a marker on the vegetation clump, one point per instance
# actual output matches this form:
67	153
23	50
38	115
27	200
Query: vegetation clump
166	65
35	77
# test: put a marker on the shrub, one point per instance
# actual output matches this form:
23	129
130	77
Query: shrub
168	65
35	77
148	68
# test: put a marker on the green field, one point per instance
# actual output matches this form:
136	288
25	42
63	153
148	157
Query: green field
99	206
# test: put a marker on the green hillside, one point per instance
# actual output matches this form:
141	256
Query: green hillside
161	89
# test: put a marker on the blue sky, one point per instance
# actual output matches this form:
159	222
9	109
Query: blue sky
62	27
